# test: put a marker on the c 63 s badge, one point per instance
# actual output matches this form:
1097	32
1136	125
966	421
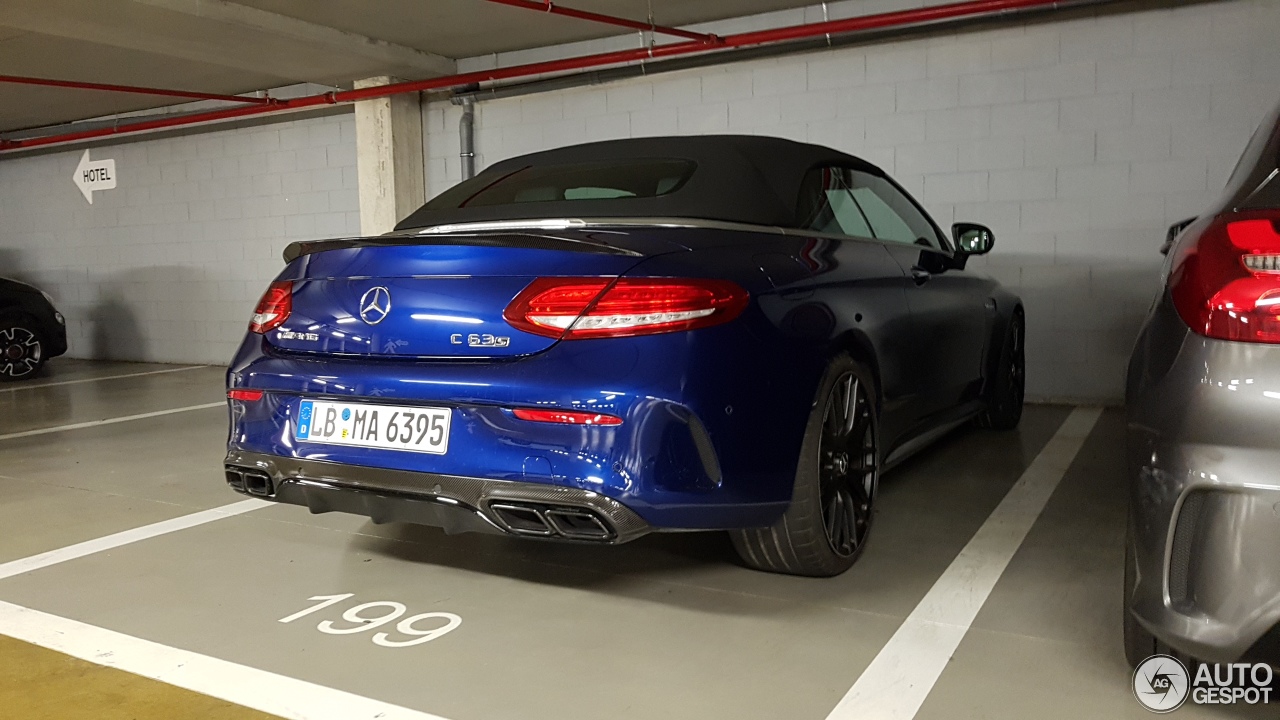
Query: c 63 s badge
478	340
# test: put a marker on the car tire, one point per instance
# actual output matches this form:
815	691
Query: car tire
825	529
1008	388
22	349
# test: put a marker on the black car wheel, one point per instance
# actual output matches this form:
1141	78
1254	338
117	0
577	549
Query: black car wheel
825	528
21	350
1008	388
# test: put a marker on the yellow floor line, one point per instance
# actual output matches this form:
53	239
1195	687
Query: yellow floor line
40	684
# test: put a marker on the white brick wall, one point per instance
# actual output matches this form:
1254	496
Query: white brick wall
1078	141
168	266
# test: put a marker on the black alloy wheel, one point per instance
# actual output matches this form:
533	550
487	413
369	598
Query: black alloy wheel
21	352
1008	389
1017	375
847	471
824	530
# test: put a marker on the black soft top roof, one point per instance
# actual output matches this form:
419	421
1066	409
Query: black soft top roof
739	178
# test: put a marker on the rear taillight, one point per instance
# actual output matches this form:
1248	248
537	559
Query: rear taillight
1226	282
565	417
244	395
572	308
274	307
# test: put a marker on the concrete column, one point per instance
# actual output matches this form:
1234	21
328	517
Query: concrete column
388	158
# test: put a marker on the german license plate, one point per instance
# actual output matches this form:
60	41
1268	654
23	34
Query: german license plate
391	427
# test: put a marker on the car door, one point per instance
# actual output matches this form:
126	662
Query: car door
864	288
952	309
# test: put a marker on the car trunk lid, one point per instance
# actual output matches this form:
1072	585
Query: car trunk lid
437	296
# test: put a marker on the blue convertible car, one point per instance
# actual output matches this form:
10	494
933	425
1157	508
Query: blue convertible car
601	341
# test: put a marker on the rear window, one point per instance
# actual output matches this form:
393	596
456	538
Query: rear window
586	181
1252	182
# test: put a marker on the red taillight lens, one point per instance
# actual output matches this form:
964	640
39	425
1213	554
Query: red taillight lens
574	308
1226	282
274	307
565	417
245	395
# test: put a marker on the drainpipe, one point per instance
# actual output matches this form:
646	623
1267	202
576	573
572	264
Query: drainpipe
467	137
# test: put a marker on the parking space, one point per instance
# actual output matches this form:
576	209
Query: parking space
667	626
65	487
88	397
590	277
1047	644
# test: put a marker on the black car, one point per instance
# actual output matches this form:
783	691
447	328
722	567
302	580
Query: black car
31	330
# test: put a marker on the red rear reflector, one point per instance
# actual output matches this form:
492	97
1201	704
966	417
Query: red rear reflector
274	307
245	395
1254	236
573	308
565	417
1225	282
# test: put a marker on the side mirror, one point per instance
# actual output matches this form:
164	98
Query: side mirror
1174	231
972	238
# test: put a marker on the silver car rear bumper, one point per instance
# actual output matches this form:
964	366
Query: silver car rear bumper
1204	461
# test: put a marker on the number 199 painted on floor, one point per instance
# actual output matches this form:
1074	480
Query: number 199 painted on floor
394	610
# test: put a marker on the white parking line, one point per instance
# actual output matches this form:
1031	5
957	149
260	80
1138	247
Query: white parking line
246	686
250	687
110	421
896	683
96	379
109	542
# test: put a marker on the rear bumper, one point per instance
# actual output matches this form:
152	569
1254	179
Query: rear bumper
455	504
1205	530
1204	458
712	419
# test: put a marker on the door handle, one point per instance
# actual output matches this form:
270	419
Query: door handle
920	275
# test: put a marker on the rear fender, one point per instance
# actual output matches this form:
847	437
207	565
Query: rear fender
1007	306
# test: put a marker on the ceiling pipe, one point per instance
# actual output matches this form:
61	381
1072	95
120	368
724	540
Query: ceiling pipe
549	7
915	16
134	89
617	73
972	9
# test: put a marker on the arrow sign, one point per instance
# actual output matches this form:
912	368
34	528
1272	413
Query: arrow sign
91	176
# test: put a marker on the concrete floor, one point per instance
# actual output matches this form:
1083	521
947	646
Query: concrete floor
665	627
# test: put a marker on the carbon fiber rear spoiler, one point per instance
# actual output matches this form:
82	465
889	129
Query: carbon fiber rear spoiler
498	239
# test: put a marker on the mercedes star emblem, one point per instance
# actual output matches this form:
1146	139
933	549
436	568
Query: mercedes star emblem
375	305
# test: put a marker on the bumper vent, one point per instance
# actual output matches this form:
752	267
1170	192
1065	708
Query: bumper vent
1184	544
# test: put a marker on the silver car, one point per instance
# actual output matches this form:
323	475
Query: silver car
1202	565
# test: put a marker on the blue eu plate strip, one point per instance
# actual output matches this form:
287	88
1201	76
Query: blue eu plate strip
304	420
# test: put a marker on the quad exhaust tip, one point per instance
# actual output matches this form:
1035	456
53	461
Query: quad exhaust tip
252	482
530	519
537	520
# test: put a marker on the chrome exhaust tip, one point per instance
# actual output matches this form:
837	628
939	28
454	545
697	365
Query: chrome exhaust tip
251	482
550	521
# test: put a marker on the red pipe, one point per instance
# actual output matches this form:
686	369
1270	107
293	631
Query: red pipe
169	122
970	9
549	7
190	95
